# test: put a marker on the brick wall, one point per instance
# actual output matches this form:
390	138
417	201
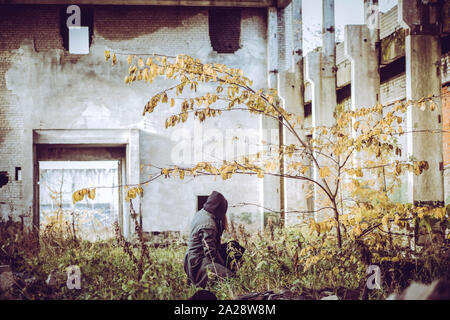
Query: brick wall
340	53
389	22
393	89
42	86
40	25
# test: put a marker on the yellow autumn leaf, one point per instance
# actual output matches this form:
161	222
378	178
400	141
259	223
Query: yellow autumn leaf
359	172
432	106
385	220
164	98
324	172
131	194
91	194
107	55
130	59
304	169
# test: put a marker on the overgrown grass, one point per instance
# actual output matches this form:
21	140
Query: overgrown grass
275	260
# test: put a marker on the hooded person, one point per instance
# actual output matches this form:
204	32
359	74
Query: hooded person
204	248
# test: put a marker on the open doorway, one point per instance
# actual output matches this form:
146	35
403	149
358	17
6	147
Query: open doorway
90	219
62	169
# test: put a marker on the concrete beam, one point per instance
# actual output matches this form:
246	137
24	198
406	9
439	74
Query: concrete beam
81	136
197	3
423	78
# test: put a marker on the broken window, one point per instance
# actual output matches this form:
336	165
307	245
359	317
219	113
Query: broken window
76	27
225	29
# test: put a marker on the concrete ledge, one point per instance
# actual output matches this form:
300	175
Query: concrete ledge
82	136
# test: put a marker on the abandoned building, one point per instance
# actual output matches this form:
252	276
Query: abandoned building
60	103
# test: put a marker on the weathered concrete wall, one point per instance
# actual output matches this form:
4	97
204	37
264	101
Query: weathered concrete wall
446	139
42	86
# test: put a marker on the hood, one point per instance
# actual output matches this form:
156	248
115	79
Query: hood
216	204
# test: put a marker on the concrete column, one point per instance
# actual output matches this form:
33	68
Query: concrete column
321	73
133	178
291	90
360	48
323	90
270	127
423	78
372	18
328	30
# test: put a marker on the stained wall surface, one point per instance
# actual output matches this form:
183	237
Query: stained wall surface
42	86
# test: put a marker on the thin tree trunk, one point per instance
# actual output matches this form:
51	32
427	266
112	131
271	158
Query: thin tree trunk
338	225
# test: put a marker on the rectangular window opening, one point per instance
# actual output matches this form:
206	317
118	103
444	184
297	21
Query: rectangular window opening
225	29
77	39
18	174
89	219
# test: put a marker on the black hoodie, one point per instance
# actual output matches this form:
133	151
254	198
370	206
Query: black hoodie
217	205
204	240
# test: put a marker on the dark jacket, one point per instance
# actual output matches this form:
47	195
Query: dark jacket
204	241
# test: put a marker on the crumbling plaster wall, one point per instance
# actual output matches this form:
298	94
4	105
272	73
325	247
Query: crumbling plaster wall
44	87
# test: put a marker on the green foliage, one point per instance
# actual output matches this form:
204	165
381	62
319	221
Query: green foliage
276	259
